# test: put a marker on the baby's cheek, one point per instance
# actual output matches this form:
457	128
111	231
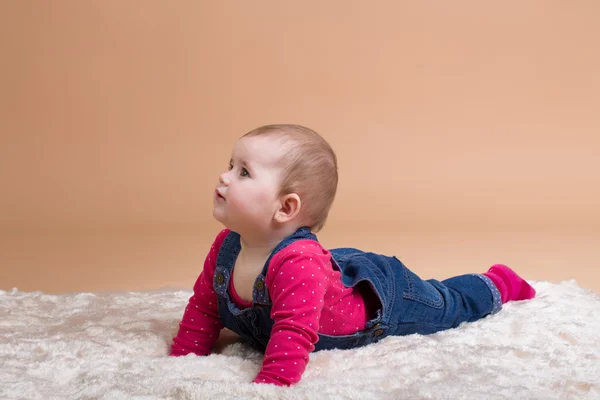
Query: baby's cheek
258	202
246	206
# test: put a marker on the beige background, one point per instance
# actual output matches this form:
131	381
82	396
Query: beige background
467	133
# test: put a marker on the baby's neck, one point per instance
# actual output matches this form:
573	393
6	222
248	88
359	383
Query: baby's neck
263	245
257	249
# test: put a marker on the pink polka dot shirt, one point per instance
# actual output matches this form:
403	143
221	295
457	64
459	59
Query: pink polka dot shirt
307	297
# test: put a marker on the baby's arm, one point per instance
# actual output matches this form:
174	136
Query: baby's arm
297	289
200	326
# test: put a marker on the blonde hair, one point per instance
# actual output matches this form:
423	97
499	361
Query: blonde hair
310	169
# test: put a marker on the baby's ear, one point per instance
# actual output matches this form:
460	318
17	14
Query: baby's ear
289	208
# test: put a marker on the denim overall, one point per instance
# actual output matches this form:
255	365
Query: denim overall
407	304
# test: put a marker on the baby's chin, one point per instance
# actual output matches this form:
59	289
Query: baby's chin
218	215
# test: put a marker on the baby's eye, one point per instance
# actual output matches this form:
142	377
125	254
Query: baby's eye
244	172
230	166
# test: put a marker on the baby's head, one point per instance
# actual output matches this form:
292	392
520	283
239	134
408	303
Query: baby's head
309	169
278	174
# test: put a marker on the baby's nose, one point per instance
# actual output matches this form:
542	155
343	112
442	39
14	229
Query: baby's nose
223	179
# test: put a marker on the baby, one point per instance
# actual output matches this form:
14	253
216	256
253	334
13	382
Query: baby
267	277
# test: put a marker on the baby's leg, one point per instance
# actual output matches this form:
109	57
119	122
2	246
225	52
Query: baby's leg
427	306
467	301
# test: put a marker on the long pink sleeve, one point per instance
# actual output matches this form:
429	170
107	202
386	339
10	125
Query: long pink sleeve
297	280
200	326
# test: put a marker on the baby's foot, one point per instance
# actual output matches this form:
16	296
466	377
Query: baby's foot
510	285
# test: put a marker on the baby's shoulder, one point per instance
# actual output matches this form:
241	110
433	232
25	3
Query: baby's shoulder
304	253
223	233
220	238
304	248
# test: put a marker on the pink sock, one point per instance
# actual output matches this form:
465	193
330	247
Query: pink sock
510	285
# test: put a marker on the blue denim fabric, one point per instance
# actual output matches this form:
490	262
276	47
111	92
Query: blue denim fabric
408	304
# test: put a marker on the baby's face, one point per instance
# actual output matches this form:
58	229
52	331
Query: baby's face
246	197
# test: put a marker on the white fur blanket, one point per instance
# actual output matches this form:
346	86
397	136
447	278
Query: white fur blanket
115	345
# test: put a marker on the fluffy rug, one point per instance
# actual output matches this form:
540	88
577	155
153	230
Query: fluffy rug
115	345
